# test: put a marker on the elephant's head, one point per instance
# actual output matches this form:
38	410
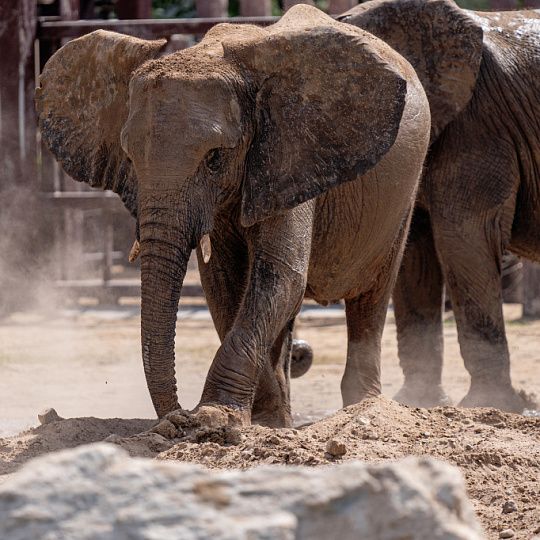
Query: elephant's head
441	41
269	118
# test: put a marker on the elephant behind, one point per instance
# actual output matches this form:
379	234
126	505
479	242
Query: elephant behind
480	192
289	157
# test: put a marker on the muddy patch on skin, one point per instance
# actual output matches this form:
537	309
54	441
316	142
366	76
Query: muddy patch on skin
498	453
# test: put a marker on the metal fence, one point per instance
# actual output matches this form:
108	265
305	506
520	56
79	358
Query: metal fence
92	230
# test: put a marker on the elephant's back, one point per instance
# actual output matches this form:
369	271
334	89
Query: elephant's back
514	35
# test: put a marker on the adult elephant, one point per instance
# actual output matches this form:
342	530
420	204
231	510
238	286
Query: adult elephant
288	156
480	192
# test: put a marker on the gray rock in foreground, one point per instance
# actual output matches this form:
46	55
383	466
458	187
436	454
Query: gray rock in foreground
98	492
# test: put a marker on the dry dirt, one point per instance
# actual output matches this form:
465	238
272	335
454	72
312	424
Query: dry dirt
86	364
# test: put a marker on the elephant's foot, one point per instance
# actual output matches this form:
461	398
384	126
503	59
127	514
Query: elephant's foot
206	423
271	408
353	397
273	419
214	415
301	358
503	397
422	394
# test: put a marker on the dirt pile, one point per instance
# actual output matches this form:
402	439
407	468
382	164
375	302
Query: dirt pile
66	433
498	453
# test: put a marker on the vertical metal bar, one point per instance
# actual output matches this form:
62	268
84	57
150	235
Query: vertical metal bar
108	245
335	7
287	4
211	8
134	9
255	8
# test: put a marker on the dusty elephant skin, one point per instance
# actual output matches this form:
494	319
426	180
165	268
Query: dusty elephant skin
97	491
291	153
479	194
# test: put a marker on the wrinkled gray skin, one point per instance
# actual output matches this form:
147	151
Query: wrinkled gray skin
297	148
480	193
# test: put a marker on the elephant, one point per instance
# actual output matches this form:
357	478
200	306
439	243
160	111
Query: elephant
289	157
479	193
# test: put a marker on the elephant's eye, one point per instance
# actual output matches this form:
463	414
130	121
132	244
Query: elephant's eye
213	160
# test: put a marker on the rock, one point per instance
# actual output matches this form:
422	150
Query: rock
47	416
211	417
97	491
370	435
181	419
166	429
509	507
336	448
507	533
273	439
233	436
147	444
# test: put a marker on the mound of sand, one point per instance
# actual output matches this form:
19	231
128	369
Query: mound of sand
498	453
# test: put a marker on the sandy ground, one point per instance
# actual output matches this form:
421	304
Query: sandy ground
86	363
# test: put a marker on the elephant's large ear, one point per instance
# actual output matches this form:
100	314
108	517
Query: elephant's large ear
328	108
82	103
443	44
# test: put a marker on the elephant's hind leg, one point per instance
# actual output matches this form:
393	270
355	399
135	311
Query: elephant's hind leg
418	297
365	323
471	261
472	210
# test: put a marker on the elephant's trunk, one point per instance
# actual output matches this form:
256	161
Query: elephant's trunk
165	251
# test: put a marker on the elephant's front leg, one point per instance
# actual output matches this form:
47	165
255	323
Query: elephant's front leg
279	255
272	404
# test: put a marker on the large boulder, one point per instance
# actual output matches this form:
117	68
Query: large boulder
98	492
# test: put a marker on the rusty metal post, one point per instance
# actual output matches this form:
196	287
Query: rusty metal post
335	7
86	9
531	290
287	4
255	8
212	8
17	117
134	9
503	5
69	9
108	245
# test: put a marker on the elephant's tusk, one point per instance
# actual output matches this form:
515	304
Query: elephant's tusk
135	251
206	248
